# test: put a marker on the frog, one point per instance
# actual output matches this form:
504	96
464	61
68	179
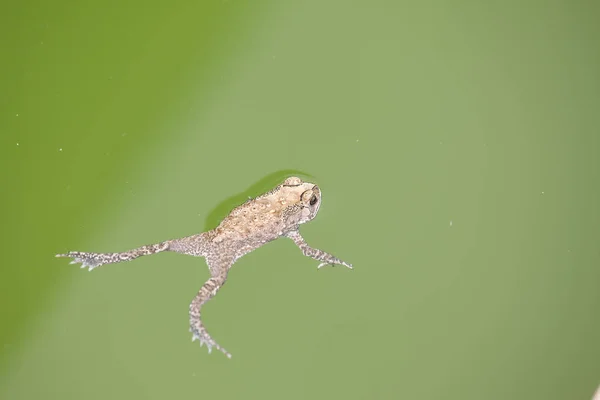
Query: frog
275	214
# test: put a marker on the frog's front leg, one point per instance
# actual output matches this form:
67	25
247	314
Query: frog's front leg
319	255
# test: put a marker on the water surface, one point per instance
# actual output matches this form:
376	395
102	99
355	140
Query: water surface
456	147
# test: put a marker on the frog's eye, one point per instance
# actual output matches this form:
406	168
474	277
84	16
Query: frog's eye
309	197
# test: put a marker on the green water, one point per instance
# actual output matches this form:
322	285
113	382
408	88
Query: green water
456	145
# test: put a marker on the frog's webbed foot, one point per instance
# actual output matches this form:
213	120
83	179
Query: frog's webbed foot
87	260
334	262
208	290
200	333
93	260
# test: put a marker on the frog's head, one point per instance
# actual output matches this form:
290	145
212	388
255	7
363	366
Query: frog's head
304	200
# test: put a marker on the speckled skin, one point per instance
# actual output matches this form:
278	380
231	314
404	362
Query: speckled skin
258	221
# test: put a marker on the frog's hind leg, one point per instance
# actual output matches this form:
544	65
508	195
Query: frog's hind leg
191	245
93	260
208	291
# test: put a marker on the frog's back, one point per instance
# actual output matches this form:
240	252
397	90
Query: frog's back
265	217
257	220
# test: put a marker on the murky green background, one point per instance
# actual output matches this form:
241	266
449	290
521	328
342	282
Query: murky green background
457	146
